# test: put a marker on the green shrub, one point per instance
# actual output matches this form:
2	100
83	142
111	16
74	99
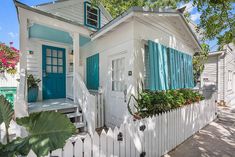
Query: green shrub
149	103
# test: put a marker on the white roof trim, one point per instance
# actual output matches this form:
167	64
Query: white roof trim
215	53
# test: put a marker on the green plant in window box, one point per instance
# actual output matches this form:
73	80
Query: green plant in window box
149	103
32	83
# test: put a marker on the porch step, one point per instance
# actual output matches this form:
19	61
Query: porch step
73	115
79	125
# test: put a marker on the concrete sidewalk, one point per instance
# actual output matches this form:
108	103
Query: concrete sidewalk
215	140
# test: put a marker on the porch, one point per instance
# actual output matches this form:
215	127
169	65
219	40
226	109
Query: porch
51	52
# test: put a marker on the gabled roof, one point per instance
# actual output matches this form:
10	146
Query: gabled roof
24	6
130	12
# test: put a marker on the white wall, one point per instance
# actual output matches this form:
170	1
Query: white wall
73	10
34	61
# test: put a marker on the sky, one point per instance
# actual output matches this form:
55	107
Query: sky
9	27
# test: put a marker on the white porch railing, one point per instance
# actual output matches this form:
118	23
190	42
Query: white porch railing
86	101
153	136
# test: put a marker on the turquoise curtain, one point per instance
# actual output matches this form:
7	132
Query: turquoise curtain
169	68
158	66
181	70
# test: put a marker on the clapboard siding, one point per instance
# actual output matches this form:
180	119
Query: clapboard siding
72	10
229	65
210	71
7	80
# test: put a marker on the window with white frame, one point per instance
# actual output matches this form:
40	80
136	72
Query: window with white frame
229	80
118	74
92	16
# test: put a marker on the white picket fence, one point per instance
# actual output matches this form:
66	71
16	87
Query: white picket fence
149	137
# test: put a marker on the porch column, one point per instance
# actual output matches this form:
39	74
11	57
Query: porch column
76	59
21	106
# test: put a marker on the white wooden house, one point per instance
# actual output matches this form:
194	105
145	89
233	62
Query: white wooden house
85	58
219	74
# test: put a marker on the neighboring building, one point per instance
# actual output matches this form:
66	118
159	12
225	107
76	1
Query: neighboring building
219	74
8	85
77	50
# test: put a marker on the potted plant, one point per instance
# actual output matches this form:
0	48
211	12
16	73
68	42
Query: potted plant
32	88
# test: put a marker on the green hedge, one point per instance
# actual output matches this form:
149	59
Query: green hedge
149	103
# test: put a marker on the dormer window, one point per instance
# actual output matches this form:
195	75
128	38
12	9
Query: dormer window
92	15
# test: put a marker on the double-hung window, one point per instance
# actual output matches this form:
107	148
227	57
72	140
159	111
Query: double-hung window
92	16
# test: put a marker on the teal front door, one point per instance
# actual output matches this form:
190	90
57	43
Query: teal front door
53	71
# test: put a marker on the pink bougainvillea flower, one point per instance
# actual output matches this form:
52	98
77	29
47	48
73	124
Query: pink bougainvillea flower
9	57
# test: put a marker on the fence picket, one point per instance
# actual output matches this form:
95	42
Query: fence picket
157	136
58	152
133	149
128	140
103	144
110	142
116	144
78	148
87	146
96	145
68	149
123	142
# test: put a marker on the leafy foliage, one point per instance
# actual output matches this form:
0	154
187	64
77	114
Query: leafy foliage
32	82
6	113
199	59
148	103
217	20
47	131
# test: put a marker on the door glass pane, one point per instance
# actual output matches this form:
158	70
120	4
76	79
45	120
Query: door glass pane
60	69
48	60
48	52
54	53
48	69
54	69
118	74
60	61
60	54
54	61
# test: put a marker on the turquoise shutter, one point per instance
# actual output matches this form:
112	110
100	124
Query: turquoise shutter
92	73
